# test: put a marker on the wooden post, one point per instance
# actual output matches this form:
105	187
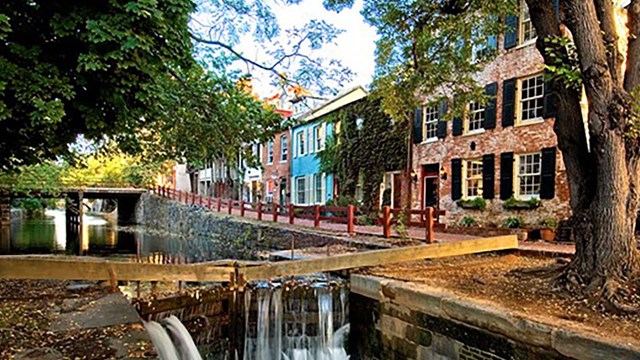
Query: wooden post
200	199
350	220
193	198
316	216
292	214
259	211
219	207
428	228
386	221
209	202
230	203
242	208
275	212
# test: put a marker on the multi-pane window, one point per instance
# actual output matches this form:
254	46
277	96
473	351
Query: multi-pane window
301	190
531	98
528	180
527	31
270	152
473	178
300	140
430	122
319	188
318	136
284	148
475	117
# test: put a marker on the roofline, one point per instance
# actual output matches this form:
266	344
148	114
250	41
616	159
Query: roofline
310	115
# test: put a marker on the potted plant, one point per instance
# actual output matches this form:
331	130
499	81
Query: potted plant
548	229
513	222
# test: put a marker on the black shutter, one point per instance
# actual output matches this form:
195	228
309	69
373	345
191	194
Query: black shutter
548	173
508	102
506	175
456	179
549	109
490	106
417	126
457	121
442	122
488	177
511	31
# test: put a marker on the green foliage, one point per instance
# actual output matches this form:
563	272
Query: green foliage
549	223
475	203
46	177
342	200
514	204
467	221
512	222
564	64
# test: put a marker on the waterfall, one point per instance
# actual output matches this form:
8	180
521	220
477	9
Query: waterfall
305	325
172	340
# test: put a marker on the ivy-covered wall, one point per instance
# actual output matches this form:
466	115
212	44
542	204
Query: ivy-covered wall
367	145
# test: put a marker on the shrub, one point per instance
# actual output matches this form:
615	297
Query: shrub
512	222
515	204
475	203
467	221
549	223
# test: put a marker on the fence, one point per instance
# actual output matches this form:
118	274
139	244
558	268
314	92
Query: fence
426	218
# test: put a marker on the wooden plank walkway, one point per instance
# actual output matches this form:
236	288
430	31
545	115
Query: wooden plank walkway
238	272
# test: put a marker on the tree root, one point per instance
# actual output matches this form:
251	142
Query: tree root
546	271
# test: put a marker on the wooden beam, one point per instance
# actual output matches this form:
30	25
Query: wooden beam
378	257
85	268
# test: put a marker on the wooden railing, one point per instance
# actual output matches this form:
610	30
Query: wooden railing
426	218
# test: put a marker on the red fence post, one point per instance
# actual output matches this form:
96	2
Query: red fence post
260	211
230	203
275	212
209	202
350	219
316	216
386	221
292	214
428	228
193	198
242	208
219	207
200	199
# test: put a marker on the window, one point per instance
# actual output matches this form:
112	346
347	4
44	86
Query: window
473	178
527	31
430	122
301	190
475	118
531	98
284	148
270	152
319	188
528	179
300	140
318	136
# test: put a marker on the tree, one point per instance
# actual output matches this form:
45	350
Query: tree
434	48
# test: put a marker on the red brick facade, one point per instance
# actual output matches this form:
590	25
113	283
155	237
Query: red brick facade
520	138
275	175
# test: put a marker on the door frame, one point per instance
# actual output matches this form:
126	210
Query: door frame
428	172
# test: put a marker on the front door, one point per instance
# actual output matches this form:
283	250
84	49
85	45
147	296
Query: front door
430	183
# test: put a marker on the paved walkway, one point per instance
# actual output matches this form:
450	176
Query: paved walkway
414	233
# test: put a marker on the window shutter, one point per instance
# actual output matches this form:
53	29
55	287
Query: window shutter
508	102
506	175
442	123
417	126
490	106
548	173
488	177
549	109
511	31
457	122
456	179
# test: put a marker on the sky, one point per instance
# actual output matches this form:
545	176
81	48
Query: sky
354	48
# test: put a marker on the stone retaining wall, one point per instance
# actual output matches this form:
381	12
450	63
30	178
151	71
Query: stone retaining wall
399	320
197	222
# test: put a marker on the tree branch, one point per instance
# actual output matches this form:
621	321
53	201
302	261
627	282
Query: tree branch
632	74
606	16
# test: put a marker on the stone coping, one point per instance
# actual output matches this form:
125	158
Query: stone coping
476	313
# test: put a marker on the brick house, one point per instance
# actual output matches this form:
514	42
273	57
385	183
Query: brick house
276	160
504	150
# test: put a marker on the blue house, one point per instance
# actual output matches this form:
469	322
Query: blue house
310	186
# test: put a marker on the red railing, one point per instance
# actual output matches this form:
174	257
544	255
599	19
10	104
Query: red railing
427	218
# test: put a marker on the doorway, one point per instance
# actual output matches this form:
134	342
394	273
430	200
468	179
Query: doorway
431	185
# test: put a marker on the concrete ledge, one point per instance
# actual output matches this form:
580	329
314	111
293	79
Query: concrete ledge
489	317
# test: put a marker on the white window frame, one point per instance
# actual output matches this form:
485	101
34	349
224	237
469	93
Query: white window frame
520	100
467	178
319	137
518	176
284	148
301	145
525	25
304	190
270	152
319	191
475	114
430	118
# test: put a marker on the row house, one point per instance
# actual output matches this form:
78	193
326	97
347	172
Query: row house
504	152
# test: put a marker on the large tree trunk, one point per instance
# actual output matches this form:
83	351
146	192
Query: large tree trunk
603	177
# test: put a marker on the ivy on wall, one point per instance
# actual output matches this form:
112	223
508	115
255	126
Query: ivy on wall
368	144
